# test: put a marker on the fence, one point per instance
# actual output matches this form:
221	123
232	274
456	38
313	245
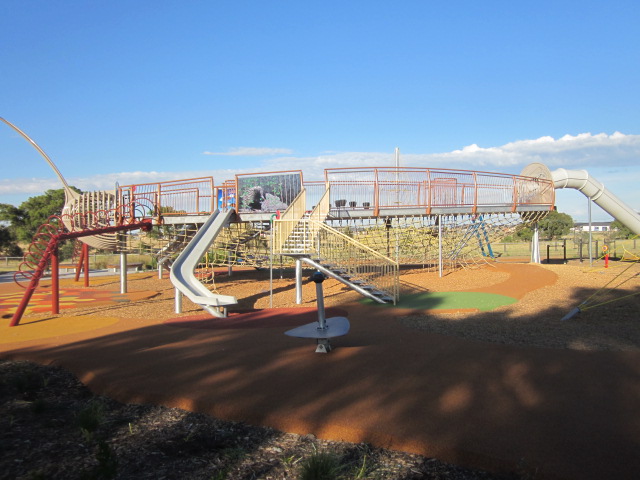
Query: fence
181	197
96	261
569	249
423	188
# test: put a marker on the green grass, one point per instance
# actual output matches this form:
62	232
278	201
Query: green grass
450	301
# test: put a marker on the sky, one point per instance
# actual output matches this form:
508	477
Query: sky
146	91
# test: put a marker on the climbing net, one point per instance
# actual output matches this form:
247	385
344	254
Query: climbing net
466	240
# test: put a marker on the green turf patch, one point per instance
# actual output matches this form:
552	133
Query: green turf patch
451	300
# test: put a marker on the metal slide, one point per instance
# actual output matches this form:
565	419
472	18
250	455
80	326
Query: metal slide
182	275
591	188
596	191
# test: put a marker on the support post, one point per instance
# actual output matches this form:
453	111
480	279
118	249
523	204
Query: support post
80	264
178	301
298	281
85	252
55	280
440	245
123	272
590	240
535	245
318	278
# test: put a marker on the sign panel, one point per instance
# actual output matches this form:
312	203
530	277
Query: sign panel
267	193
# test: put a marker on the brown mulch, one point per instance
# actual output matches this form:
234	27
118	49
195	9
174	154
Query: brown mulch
53	427
42	407
608	322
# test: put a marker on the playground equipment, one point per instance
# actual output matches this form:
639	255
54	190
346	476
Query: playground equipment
605	294
590	187
325	328
54	235
357	226
182	271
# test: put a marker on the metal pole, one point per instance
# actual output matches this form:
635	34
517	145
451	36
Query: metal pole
298	281
535	245
440	245
85	250
178	301
322	321
271	265
55	283
123	272
590	246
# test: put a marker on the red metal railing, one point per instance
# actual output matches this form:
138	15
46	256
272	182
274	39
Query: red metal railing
424	188
194	196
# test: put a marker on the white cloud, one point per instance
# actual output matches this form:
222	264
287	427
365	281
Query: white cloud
252	152
612	159
580	151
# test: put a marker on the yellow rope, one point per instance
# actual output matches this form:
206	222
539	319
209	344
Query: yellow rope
610	301
597	292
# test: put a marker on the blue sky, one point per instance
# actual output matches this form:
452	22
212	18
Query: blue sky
143	91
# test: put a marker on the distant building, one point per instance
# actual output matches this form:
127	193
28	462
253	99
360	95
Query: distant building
595	226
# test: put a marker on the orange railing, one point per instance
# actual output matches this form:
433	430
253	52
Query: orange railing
194	196
427	189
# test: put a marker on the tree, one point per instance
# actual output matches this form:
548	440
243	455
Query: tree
555	225
24	221
35	211
8	245
622	230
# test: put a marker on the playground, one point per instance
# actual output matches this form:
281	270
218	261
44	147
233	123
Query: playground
452	352
482	387
506	303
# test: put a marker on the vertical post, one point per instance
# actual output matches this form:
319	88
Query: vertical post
298	281
123	272
318	278
160	271
564	248
535	244
178	300
85	253
271	268
55	281
80	264
440	245
590	246
580	249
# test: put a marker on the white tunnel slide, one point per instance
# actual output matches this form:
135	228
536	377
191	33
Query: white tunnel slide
182	271
596	191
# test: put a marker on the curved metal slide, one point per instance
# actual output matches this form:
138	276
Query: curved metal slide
601	196
182	271
591	188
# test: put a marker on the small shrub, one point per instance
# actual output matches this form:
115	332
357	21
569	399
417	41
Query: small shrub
107	462
90	417
320	466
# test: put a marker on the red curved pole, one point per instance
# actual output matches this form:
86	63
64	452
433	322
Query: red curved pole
52	246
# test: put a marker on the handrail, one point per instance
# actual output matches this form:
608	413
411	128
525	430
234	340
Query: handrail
322	209
193	196
314	238
288	220
428	189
